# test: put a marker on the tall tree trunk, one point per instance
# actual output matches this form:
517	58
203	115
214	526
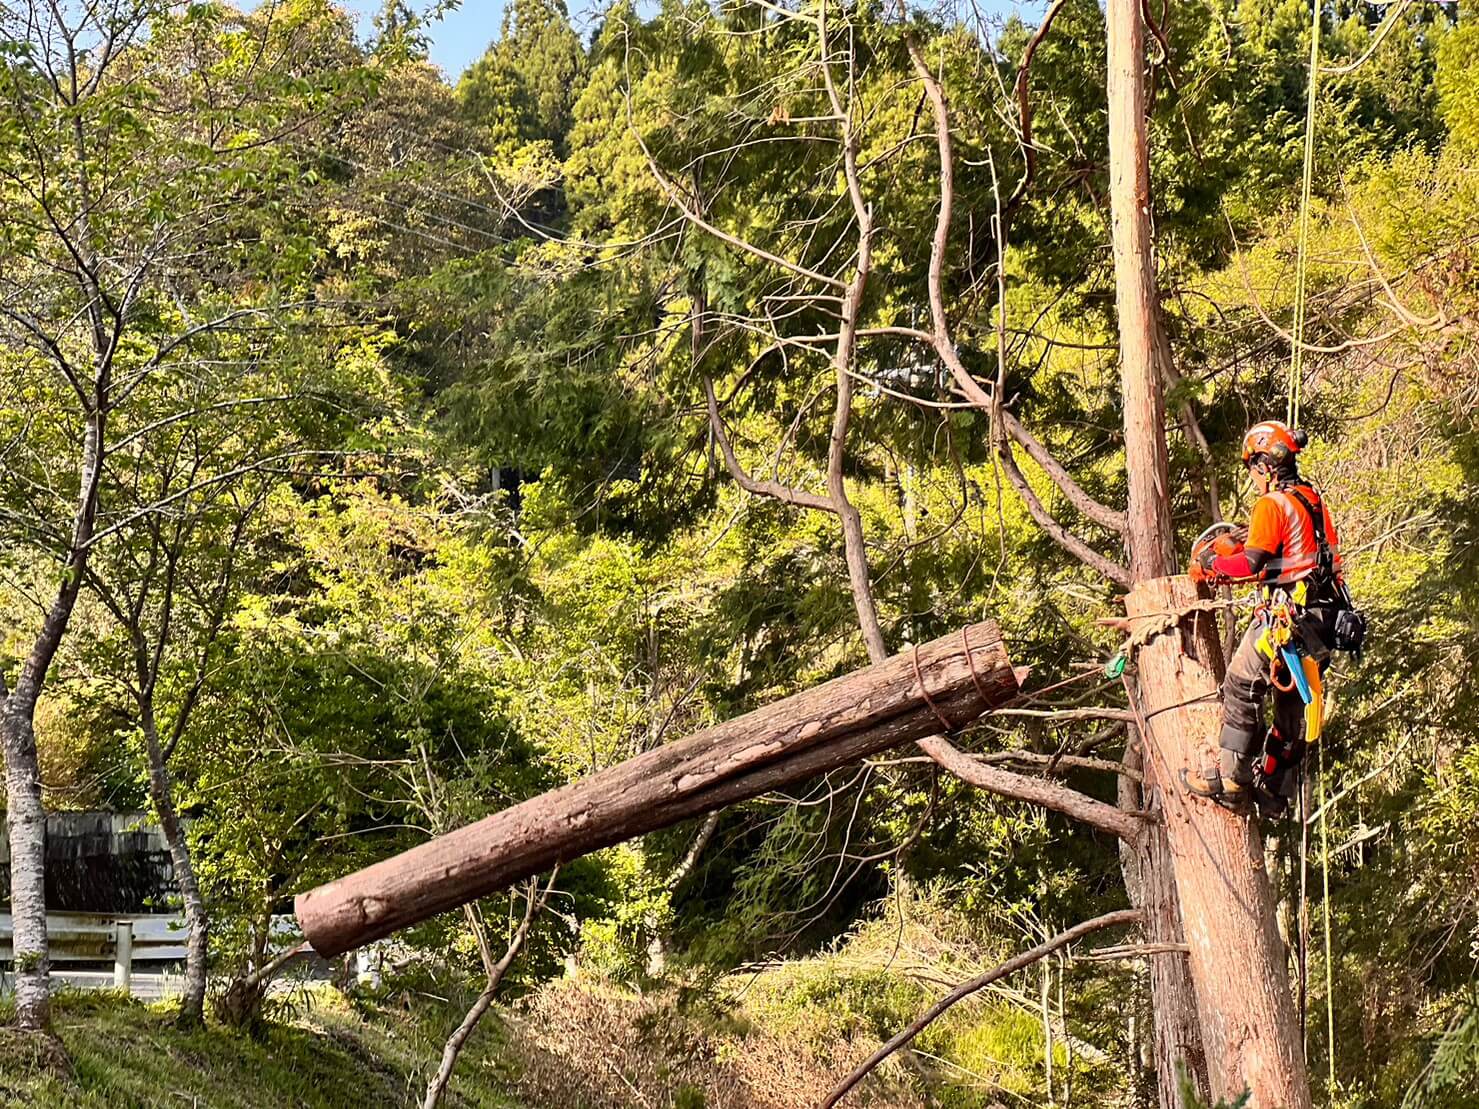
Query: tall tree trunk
1152	551
1144	357
1250	1034
25	824
1149	880
197	921
1250	1030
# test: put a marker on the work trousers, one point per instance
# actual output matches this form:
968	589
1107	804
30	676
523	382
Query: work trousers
1244	690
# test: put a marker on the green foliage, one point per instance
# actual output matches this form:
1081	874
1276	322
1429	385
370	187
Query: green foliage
1457	85
1449	1077
495	546
525	85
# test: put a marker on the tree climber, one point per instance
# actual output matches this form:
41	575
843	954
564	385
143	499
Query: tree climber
1292	550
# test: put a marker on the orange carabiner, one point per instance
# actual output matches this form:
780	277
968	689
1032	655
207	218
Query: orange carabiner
1273	677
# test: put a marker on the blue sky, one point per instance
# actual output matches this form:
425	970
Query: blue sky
461	36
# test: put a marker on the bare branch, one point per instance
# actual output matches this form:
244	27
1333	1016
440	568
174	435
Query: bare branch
1024	106
534	901
676	198
945	348
1056	531
1021	787
763	488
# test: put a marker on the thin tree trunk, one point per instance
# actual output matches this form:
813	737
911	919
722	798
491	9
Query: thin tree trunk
25	815
1047	1025
197	921
25	824
1250	1030
494	973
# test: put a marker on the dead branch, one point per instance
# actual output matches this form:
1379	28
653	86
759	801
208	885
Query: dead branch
534	901
1024	107
759	487
1022	787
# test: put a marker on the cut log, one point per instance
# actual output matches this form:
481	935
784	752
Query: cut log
1239	969
958	677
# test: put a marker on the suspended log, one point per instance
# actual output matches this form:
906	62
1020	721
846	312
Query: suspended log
954	679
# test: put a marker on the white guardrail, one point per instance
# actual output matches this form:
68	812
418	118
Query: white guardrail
147	951
125	938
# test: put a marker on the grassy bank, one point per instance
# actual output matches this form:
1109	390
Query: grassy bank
324	1054
776	1038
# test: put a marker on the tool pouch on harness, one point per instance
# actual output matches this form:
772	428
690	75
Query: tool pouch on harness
1348	633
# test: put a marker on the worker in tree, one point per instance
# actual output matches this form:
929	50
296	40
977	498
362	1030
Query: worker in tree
1292	550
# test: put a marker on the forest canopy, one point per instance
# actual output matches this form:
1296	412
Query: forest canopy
379	450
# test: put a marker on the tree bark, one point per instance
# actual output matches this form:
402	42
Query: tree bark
1201	875
1250	1030
958	677
197	921
25	815
1150	883
25	824
1152	551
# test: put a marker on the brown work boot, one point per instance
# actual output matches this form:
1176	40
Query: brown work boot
1210	785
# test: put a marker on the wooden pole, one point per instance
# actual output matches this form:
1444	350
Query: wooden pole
952	680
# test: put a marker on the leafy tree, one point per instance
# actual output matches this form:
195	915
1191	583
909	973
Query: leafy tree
527	81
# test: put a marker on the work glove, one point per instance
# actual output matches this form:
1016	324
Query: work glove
1201	570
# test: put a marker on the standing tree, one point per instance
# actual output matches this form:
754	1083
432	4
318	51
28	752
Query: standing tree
128	239
1251	1036
1244	1031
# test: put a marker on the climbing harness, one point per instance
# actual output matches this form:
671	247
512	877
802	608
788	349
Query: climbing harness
1288	652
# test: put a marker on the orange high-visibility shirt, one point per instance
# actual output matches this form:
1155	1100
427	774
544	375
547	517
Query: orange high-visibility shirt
1281	526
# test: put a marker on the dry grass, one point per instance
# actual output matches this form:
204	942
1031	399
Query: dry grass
588	1046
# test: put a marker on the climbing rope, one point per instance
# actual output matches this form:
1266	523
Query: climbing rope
1301	262
1296	383
1325	898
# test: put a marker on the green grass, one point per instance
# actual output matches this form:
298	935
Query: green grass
325	1055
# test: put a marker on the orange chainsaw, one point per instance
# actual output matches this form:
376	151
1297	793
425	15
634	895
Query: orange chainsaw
1222	540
